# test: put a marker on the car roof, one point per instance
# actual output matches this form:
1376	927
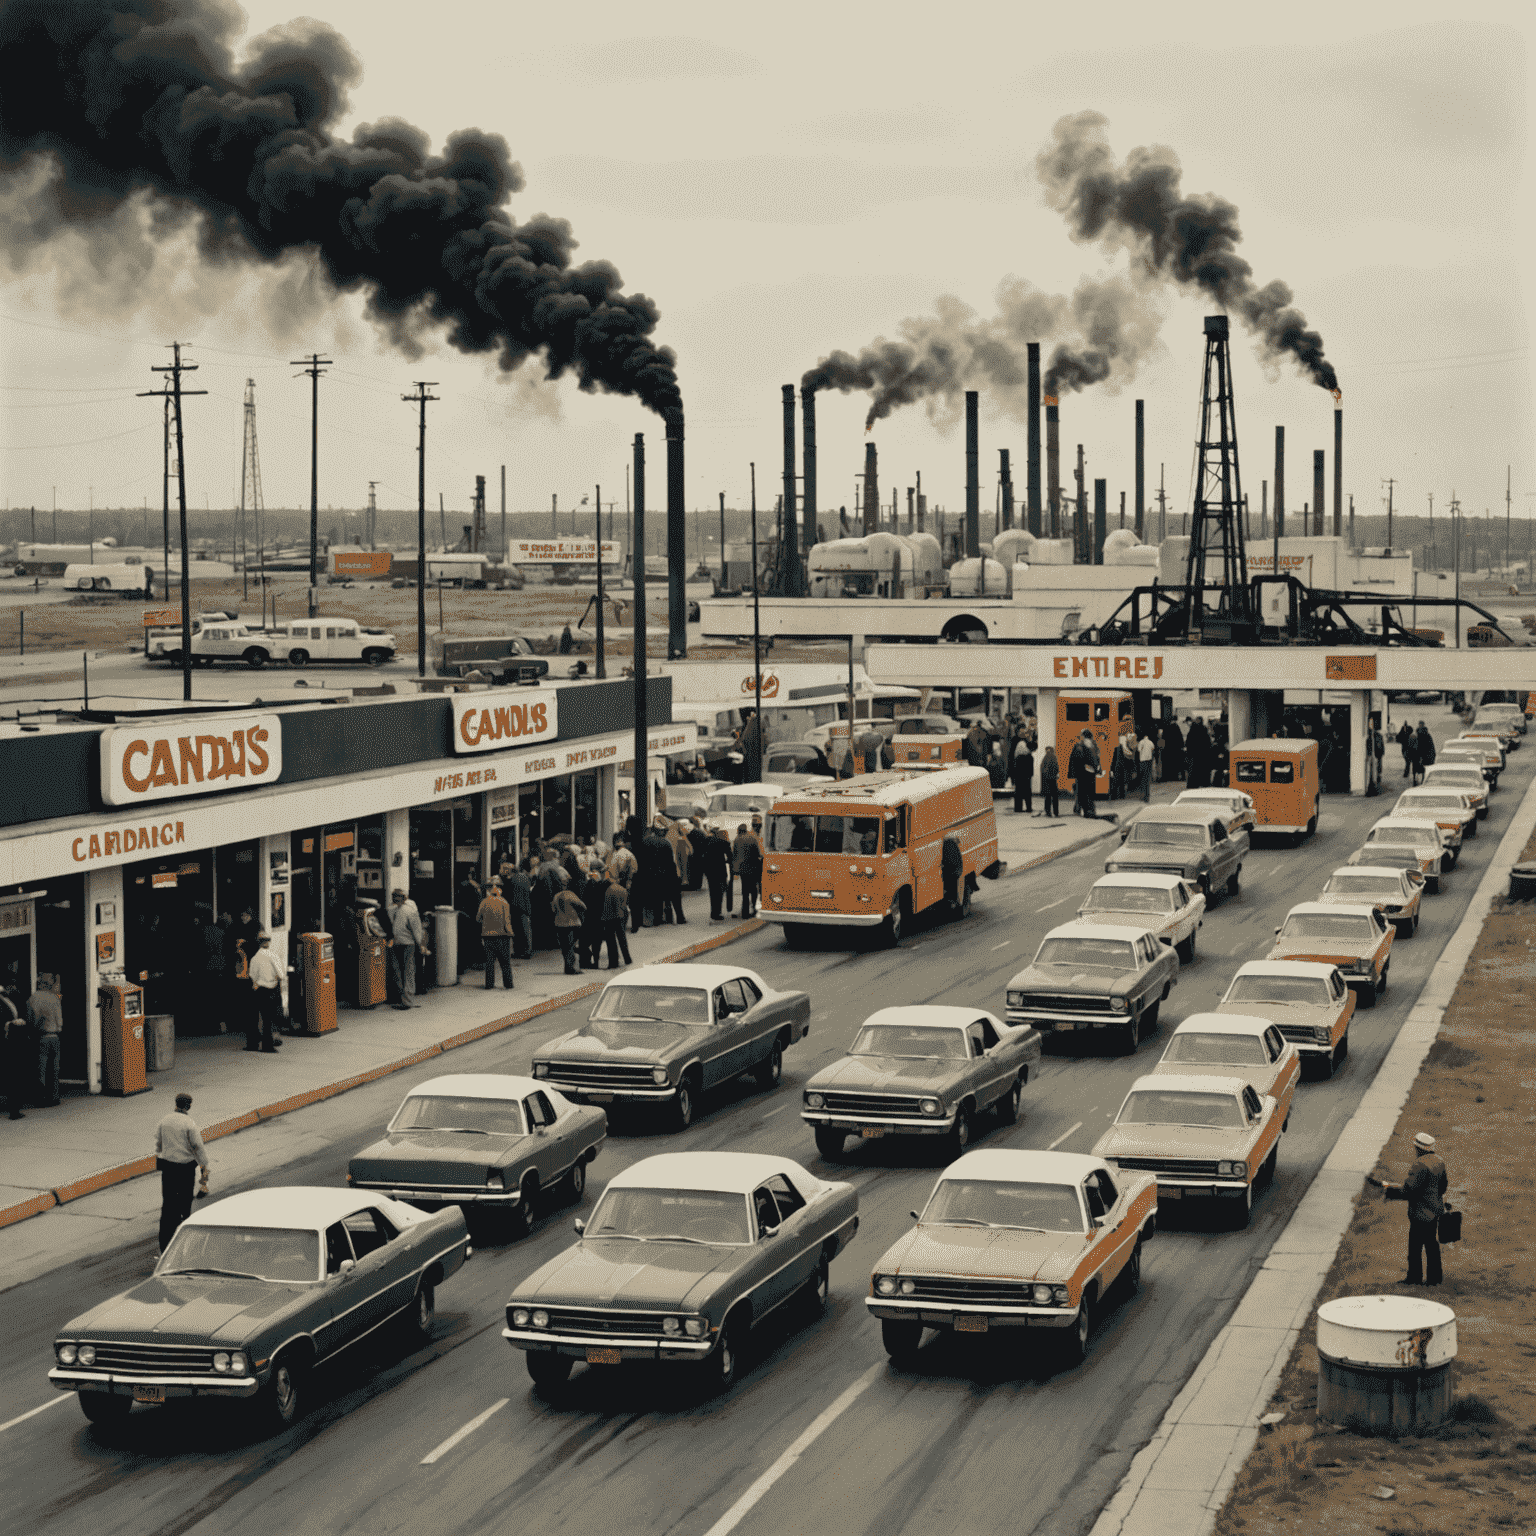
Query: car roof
930	1016
1413	795
1210	794
702	976
479	1085
894	786
1192	815
1308	970
1182	1082
1149	882
1024	1164
757	787
732	1173
1222	1024
1332	909
1292	744
1093	931
1368	869
1452	768
288	1206
1404	824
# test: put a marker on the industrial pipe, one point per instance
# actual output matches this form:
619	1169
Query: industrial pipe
808	459
1338	473
871	489
1279	484
1053	463
791	550
972	473
677	542
1141	467
1317	492
1032	469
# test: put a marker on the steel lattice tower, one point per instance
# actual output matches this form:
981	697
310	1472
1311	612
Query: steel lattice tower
1216	553
250	472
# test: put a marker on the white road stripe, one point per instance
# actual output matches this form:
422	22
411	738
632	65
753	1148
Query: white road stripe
32	1413
779	1111
819	1425
1064	1136
1003	945
1047	907
464	1433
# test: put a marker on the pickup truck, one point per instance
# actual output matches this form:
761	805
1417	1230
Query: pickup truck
215	637
1189	841
498	658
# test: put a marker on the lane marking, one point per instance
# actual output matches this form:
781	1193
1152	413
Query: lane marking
1003	945
818	1426
464	1433
1047	907
779	1111
32	1413
1064	1136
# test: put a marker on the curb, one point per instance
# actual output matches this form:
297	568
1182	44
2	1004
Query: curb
1181	1478
1081	843
121	1173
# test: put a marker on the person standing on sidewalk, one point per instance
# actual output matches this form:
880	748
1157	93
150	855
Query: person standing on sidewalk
517	892
46	1015
1146	750
615	919
1023	770
17	1054
569	909
409	937
593	890
179	1153
717	869
1424	1190
1423	752
747	861
266	972
1406	740
1050	785
494	918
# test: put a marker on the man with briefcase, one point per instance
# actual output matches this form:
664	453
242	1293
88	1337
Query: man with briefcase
1430	1220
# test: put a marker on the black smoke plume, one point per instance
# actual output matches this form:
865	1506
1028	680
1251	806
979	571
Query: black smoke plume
1191	240
128	103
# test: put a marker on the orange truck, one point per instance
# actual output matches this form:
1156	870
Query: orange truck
866	852
1105	715
1280	776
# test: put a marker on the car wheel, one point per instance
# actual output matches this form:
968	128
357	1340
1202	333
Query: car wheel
1325	1065
1367	995
1008	1105
1343	1049
770	1069
895	921
1205	886
575	1182
965	899
1267	1172
299	656
794	935
1131	1274
1312	824
255	657
1413	927
374	657
1186	950
818	1289
104	1407
282	1399
1240	1210
548	1369
961	1137
1471	828
829	1143
520	1218
724	1360
901	1339
1235	884
682	1106
1127	1037
1080	1333
424	1310
1432	884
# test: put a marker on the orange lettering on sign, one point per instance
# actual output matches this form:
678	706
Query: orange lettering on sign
162	771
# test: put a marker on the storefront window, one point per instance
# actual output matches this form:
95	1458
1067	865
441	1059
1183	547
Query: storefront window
530	815
370	857
585	794
557	805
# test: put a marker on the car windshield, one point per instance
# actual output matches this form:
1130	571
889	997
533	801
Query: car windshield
911	1041
857	835
1365	885
1127	898
1324	925
1432	803
1179	834
682	1215
1279	989
1198	1048
262	1253
674	1005
1089	954
1391	853
1413	837
737	802
452	1112
996	1203
1167	1106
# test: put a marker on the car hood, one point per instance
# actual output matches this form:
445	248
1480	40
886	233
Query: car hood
1284	1014
617	1272
991	1253
624	1040
435	1156
1156	853
1153	921
1065	978
189	1309
1171	1141
1327	952
888	1074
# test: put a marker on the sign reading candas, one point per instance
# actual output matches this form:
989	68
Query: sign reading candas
201	757
495	721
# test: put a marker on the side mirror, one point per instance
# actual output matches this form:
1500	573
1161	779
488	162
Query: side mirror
580	1226
345	1268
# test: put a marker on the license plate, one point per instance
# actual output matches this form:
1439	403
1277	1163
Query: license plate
970	1325
1170	1194
869	1133
600	1098
604	1357
1064	1025
149	1394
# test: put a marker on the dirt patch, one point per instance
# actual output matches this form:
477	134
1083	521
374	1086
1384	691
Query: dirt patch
1476	1473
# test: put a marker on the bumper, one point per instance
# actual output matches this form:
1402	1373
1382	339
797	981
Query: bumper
119	1385
772	914
586	1094
575	1346
943	1314
1062	1023
1176	1187
1311	1048
877	1125
440	1198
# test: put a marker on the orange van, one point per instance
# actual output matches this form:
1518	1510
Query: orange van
926	751
865	852
1105	715
1281	777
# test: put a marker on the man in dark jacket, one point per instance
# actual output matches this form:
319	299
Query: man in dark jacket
1173	752
1023	770
1424	1190
1424	752
952	869
717	870
548	882
1197	746
517	890
569	910
615	917
1407	741
593	891
1083	770
663	888
747	861
698	840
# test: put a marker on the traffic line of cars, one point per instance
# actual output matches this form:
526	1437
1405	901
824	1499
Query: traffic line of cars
686	1253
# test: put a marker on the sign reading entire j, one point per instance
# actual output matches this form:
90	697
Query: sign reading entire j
502	719
144	763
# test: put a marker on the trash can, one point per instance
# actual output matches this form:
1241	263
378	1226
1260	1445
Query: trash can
1522	882
160	1042
445	945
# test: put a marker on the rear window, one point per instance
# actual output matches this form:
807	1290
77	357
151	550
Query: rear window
1158	1106
1249	770
1198	1048
1282	771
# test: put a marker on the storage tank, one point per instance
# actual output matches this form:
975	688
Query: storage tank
859	567
927	559
1384	1362
1051	552
1121	548
977	578
1012	546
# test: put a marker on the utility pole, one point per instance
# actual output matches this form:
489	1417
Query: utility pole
1162	505
1431	530
722	541
503	514
176	368
421	399
1506	516
373	514
1456	563
601	670
316	366
755	768
1389	483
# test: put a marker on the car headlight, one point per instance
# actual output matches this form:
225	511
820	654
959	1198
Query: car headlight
221	1362
236	1363
885	1285
494	1179
1015	999
1042	1295
1321	1034
541	1069
1230	1170
658	1074
814	1100
521	1317
540	1318
671	1325
931	1107
908	1287
67	1353
777	900
1111	868
87	1354
1120	1004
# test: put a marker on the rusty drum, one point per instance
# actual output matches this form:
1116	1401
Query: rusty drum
1384	1362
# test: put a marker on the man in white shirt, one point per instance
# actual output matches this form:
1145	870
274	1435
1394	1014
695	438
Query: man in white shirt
1145	748
267	980
409	936
179	1153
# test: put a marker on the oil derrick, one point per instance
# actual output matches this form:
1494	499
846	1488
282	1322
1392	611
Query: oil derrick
250	474
1217	601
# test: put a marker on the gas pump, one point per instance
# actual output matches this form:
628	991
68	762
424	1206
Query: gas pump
317	960
122	1039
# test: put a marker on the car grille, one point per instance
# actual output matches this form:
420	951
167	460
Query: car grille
1298	1034
152	1359
581	1074
1050	1002
1176	1167
871	1104
618	1325
952	1288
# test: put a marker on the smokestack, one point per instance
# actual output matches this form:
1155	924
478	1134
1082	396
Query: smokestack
909	508
1053	463
1279	484
808	459
871	489
1141	467
1081	553
972	470
1032	468
791	549
1007	479
637	569
1317	492
1338	472
677	551
1100	518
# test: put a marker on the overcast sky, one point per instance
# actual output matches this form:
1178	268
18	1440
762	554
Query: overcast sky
785	180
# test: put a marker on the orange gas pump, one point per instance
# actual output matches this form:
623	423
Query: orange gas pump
122	1039
317	957
371	968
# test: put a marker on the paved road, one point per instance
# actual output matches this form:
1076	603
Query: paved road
970	1439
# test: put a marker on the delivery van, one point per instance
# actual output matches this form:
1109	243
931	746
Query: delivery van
926	751
1105	715
1280	776
866	852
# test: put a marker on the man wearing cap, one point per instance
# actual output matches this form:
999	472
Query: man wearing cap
266	972
495	919
409	937
179	1152
46	1016
1424	1190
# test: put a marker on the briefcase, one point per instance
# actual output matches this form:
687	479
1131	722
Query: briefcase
1449	1230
